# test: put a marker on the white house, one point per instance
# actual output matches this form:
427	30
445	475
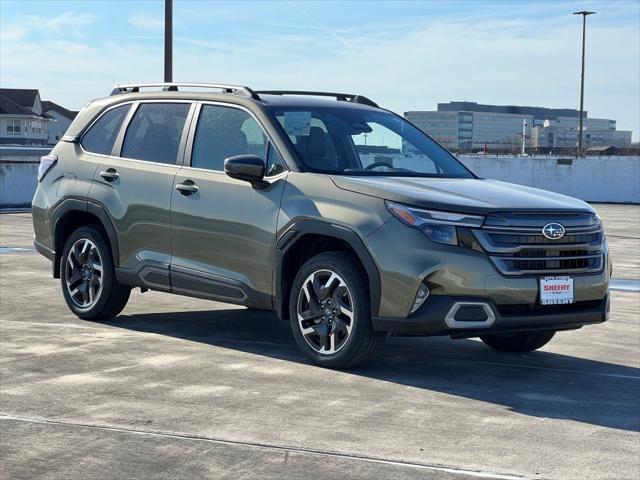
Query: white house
21	118
60	118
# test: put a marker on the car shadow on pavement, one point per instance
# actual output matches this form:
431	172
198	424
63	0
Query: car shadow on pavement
541	384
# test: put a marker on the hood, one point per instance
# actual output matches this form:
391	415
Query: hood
467	195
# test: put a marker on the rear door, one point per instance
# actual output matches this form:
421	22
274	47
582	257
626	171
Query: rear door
223	232
135	184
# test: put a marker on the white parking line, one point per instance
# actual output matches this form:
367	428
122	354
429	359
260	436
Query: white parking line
624	285
16	249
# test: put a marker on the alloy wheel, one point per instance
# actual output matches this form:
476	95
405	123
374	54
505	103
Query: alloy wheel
325	312
84	273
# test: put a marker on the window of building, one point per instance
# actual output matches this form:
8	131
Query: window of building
100	137
155	131
14	127
224	132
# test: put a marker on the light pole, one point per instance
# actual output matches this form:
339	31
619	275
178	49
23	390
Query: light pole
168	41
584	14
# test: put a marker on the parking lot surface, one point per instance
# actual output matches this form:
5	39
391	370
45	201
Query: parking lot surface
182	388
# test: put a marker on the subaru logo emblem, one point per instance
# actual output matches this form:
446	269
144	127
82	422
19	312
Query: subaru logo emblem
553	231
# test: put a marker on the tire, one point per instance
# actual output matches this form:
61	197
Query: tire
98	295
338	334
518	342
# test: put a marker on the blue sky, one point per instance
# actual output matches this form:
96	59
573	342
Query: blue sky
404	55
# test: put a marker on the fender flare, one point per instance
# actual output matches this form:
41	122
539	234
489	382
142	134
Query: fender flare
295	230
75	204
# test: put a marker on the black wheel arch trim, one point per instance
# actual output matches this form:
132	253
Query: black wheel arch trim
70	204
295	230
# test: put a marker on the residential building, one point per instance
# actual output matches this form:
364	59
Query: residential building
60	118
21	119
469	126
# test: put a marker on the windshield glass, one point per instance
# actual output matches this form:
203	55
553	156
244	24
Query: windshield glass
351	141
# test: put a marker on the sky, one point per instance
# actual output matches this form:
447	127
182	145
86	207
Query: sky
405	55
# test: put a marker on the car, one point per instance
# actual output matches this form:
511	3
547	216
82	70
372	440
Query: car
341	216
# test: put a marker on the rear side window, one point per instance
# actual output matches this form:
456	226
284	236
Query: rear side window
154	132
224	132
102	134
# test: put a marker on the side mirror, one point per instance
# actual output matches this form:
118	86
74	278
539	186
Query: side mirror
250	168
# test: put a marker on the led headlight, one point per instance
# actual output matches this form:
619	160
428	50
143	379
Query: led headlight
438	226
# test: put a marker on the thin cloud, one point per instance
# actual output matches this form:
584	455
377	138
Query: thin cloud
64	23
146	22
330	31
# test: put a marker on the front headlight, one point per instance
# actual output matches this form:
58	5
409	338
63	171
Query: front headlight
438	226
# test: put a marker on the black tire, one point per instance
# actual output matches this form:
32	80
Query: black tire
362	344
112	296
518	342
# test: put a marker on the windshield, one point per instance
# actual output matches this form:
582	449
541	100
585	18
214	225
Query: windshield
353	141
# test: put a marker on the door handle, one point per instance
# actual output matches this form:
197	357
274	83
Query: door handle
110	174
187	188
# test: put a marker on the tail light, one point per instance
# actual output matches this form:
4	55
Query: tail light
46	163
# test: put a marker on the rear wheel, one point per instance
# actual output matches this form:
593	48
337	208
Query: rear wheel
330	312
518	342
88	277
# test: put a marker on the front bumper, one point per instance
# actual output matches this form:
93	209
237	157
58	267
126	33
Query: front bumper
433	318
406	258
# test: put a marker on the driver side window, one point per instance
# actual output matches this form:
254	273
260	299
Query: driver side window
224	132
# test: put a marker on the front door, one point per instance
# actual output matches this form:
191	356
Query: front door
135	185
223	230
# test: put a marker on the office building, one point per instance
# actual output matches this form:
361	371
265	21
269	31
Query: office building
469	126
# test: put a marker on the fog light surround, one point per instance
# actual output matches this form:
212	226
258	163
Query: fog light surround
421	296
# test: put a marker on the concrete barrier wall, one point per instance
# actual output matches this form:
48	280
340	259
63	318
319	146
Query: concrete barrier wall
594	179
18	183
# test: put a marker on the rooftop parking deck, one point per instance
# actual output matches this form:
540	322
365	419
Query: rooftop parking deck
183	388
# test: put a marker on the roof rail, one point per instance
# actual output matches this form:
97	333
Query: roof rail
345	97
173	87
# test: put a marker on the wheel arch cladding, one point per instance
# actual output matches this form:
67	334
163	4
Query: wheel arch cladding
303	239
72	214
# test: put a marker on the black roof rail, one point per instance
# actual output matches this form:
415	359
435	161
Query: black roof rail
345	97
174	86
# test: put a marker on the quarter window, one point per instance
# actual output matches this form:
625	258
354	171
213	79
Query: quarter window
224	132
100	137
155	131
275	164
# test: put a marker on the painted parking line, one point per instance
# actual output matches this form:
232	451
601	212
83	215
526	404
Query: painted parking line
624	285
17	249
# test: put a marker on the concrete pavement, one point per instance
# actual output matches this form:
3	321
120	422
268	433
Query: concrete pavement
182	388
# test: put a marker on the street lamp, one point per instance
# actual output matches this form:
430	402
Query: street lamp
584	14
168	41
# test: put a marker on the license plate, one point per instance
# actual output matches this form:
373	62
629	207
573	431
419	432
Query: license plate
556	290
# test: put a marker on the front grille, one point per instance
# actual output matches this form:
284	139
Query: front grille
510	239
516	246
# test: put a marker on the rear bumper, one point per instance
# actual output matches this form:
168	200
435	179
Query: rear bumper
435	317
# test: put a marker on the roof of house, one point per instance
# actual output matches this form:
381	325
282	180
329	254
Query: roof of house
25	97
9	107
48	105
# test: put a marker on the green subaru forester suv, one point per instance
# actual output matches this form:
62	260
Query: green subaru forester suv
343	217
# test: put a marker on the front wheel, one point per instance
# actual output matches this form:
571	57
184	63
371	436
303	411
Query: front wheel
518	342
330	312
